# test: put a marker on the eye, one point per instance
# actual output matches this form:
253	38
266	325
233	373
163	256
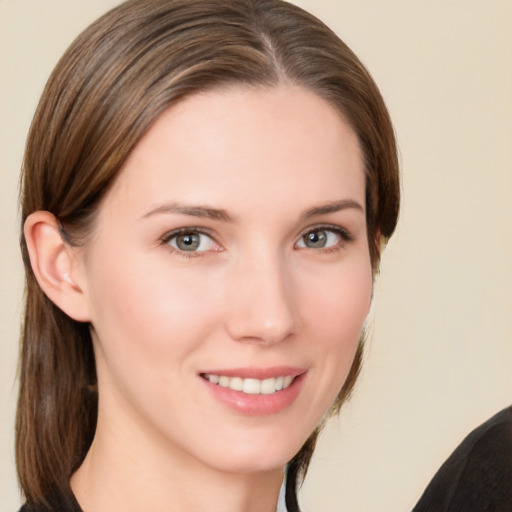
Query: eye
323	238
191	241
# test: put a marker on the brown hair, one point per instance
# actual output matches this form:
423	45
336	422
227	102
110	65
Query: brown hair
107	90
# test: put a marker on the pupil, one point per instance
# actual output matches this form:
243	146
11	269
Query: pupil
188	242
316	239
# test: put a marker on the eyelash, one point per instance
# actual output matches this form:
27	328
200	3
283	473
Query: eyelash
166	239
345	236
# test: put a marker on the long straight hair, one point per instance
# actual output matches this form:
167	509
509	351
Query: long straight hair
107	90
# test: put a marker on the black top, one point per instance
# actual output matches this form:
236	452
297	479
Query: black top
477	477
63	501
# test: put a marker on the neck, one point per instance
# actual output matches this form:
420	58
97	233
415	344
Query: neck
135	474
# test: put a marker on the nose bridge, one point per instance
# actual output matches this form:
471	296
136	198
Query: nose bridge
261	298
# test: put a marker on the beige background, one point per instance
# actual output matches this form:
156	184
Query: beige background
440	358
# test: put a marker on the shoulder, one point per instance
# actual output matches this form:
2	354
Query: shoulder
478	474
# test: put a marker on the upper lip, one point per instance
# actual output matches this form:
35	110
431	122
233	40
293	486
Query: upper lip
261	373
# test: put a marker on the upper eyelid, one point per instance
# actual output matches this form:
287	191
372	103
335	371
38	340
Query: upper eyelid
328	227
180	231
170	235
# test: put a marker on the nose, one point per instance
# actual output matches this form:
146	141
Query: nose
261	302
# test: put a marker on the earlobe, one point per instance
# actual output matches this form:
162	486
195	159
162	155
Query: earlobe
56	265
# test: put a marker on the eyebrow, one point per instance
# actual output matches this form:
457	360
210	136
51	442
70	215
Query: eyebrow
204	212
332	207
207	212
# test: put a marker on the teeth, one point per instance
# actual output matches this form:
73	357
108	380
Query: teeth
268	386
251	386
236	383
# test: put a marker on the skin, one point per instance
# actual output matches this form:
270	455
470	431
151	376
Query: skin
253	295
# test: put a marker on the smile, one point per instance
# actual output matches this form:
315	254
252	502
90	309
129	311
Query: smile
251	386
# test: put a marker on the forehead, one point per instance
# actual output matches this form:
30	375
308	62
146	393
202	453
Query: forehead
245	147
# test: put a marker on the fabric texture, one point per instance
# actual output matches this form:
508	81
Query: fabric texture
63	501
477	477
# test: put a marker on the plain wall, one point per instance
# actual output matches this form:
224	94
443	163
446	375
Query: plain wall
439	360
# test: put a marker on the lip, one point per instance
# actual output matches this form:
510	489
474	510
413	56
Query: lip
257	405
252	372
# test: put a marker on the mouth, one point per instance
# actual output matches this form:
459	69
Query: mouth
255	391
251	386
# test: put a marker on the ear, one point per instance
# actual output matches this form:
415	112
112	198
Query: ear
57	266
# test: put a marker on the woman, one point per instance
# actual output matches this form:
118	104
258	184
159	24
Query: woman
207	188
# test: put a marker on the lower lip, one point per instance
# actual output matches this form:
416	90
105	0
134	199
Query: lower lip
257	405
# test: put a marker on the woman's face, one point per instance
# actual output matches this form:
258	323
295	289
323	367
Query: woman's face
231	251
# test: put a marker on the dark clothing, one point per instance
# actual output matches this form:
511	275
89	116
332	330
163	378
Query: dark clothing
59	502
477	477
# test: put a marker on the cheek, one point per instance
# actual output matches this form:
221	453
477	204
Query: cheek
149	312
337	307
338	302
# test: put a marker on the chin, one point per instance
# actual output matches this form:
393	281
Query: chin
256	456
262	463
